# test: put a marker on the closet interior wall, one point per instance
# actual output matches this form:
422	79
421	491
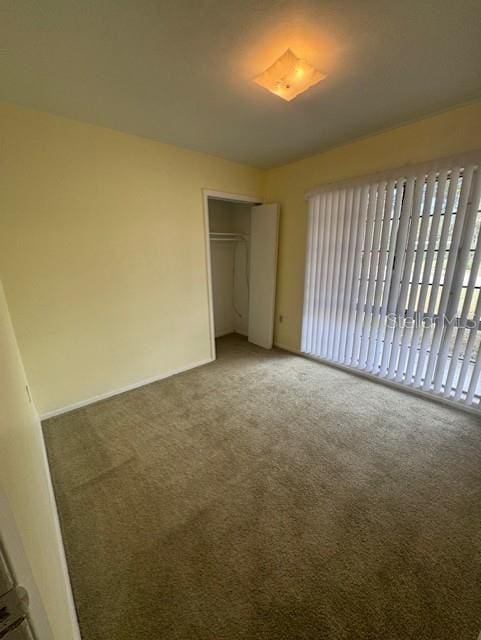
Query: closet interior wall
230	265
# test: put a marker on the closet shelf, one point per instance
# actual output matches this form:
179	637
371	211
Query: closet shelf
227	237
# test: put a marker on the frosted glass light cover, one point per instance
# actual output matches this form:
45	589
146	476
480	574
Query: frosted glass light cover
289	76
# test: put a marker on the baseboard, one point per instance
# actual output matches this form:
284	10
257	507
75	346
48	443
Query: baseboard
230	332
129	387
279	345
224	333
59	542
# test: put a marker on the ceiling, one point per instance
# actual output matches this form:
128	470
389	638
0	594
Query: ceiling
181	71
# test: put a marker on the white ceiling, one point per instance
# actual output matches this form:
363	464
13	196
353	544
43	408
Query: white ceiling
180	70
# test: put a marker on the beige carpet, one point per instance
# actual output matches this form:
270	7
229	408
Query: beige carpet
265	496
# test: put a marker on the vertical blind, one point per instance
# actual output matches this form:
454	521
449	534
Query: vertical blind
392	280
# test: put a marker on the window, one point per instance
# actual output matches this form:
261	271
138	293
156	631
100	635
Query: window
392	284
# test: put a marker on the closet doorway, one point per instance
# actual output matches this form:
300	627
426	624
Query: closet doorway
241	243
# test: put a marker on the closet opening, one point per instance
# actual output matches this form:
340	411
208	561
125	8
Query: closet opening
241	242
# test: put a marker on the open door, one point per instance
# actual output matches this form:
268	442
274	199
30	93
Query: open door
263	273
21	608
31	550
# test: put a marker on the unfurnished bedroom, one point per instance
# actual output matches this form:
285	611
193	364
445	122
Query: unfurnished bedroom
240	320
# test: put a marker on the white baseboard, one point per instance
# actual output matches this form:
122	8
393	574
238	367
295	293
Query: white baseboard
229	333
129	387
279	345
59	542
224	333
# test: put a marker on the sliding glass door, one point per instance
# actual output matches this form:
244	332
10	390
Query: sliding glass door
392	284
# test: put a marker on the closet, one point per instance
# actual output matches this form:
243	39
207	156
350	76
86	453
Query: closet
243	252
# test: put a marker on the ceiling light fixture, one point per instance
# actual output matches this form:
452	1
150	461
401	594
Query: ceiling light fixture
289	76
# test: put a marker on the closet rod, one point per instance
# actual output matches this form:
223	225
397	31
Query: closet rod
227	237
230	234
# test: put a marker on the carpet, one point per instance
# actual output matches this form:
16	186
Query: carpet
265	496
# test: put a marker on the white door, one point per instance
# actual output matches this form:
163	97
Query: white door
263	272
19	607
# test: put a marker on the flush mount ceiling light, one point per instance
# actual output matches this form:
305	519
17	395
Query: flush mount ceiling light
289	76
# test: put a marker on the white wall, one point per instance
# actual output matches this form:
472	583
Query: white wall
229	266
28	518
241	288
222	257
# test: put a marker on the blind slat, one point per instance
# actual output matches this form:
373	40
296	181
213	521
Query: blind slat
373	275
343	272
458	277
456	353
396	277
309	289
474	380
466	366
330	248
353	238
361	300
320	230
340	212
415	355
381	273
420	243
395	362
428	331
381	342
434	359
356	273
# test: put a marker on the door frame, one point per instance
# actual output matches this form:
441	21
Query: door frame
220	195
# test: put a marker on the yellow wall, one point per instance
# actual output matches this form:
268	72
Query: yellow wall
102	249
24	486
442	135
102	253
